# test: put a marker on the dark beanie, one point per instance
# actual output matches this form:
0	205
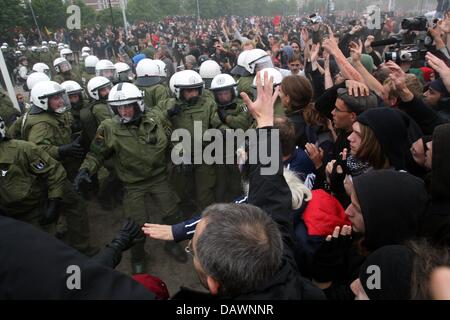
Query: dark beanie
439	86
358	104
395	264
390	128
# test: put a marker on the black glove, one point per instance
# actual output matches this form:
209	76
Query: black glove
82	177
337	178
126	237
73	150
51	212
176	109
329	259
222	115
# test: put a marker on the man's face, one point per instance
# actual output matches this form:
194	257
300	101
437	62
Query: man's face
103	92
190	93
342	117
418	152
295	66
248	47
355	139
126	112
64	67
296	48
354	213
432	97
387	99
56	102
224	96
74	98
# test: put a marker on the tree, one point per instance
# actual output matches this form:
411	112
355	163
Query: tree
104	17
12	14
50	13
88	15
144	10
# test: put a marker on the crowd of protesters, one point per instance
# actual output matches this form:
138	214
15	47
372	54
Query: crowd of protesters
364	132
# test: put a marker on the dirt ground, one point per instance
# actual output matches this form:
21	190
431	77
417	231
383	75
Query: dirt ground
105	224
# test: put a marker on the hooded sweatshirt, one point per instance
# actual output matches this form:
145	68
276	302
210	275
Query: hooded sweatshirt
437	224
392	205
390	128
395	263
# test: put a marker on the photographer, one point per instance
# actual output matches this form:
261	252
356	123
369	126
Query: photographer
222	56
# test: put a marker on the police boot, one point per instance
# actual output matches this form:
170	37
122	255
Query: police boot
138	263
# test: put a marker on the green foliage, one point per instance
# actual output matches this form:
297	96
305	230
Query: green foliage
49	13
103	17
13	13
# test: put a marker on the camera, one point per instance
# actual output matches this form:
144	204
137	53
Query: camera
315	18
415	24
399	56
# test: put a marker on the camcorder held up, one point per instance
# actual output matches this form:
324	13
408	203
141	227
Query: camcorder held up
412	44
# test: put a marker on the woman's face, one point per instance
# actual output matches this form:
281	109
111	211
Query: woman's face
355	138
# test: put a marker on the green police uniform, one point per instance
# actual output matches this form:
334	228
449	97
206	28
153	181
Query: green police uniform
85	77
61	77
29	176
228	186
109	185
7	111
154	94
208	94
47	58
245	84
199	179
139	154
49	131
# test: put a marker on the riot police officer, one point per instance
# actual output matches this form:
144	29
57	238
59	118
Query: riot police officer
136	140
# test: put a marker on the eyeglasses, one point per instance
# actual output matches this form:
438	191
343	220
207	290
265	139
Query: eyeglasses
189	249
338	110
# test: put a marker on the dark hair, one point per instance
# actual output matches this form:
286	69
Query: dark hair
426	259
240	247
295	57
296	42
287	135
299	90
370	149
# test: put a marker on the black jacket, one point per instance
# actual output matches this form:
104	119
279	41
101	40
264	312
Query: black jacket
427	118
437	224
393	205
271	193
34	265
